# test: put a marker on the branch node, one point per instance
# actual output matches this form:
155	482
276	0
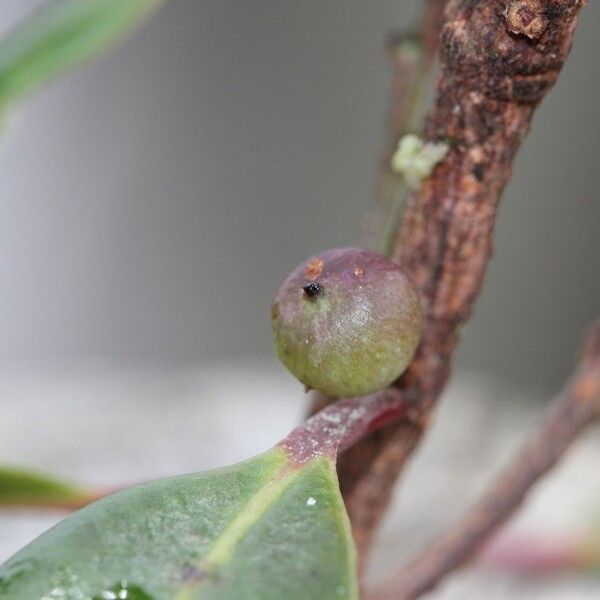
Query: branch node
526	17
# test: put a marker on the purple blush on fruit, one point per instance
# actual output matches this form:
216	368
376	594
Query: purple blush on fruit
347	322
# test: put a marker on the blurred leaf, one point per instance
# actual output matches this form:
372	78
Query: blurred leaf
20	487
60	35
270	528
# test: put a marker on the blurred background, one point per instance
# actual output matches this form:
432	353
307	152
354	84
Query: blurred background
152	202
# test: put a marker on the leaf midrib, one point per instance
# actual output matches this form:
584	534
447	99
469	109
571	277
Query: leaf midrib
260	502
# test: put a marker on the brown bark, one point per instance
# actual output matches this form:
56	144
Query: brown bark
491	80
570	413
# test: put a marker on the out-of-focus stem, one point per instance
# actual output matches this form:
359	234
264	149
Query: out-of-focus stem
570	413
412	57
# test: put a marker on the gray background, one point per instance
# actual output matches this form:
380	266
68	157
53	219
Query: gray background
152	202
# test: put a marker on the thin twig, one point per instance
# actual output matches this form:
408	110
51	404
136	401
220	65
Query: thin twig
411	55
569	414
491	80
537	553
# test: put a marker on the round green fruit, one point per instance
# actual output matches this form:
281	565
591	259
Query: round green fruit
347	322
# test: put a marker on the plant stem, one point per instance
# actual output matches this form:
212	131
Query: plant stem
341	424
570	413
538	554
62	505
490	83
411	55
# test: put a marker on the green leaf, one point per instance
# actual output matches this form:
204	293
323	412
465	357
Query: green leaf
20	487
271	528
59	36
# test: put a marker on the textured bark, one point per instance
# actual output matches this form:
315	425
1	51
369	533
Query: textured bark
491	80
569	414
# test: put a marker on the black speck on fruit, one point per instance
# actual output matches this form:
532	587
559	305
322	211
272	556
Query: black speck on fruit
313	289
